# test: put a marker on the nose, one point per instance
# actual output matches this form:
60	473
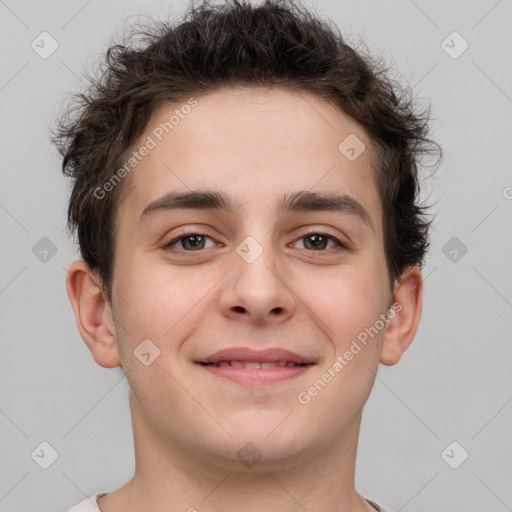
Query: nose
257	290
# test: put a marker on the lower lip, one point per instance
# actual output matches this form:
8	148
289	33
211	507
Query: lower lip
257	377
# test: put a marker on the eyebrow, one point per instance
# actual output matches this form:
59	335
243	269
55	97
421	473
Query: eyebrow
300	201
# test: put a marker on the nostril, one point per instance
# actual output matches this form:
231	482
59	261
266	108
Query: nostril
277	310
239	309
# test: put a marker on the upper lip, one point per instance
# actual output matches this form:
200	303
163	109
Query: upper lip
247	354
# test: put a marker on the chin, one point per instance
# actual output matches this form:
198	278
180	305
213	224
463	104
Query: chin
258	455
266	445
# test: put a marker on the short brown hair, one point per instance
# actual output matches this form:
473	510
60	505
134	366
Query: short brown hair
277	43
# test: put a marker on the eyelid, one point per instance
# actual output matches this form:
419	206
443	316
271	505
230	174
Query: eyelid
325	232
190	232
340	245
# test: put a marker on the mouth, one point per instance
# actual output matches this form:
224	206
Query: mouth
249	367
256	365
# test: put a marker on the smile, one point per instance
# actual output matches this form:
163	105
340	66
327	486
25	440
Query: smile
250	367
255	365
254	373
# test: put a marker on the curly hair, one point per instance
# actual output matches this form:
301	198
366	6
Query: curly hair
276	43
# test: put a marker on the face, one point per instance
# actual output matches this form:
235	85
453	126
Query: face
263	265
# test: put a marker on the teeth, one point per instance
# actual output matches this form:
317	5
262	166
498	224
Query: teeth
255	365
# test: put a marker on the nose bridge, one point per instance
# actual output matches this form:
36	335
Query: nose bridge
256	263
256	288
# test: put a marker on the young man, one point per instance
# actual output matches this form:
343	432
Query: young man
245	190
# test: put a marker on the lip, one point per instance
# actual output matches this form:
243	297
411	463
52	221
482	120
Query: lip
247	354
261	376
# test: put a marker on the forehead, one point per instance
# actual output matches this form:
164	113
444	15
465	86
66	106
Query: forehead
257	145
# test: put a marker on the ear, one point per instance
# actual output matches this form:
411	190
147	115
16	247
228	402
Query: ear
93	314
407	303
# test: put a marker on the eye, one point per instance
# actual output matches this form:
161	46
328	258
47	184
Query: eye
192	241
189	242
319	242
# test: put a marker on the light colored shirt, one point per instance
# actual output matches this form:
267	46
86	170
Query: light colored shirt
90	505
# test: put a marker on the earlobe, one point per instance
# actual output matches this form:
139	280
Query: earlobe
407	304
93	313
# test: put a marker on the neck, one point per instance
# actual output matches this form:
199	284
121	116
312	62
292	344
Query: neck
169	479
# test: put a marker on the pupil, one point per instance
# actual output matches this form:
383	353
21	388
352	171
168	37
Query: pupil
196	239
317	241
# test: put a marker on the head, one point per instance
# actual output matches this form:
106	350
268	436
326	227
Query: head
295	159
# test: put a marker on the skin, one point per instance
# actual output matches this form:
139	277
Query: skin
254	144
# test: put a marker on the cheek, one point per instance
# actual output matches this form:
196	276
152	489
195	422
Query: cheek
344	303
152	299
349	307
162	306
156	307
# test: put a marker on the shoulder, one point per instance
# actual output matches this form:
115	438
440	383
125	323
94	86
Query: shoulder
88	505
378	506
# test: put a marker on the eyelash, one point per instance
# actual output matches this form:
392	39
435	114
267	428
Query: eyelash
340	245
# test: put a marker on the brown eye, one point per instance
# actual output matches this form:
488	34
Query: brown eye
320	242
315	241
188	242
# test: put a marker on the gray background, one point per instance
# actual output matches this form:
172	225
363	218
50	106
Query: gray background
454	382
